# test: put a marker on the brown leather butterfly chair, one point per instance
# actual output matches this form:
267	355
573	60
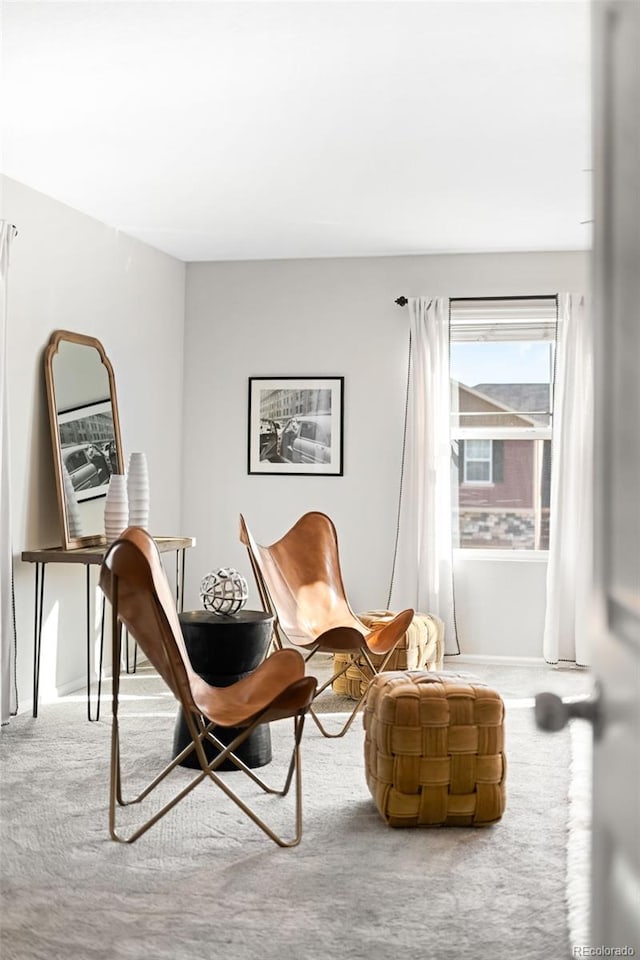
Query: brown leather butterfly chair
133	579
300	583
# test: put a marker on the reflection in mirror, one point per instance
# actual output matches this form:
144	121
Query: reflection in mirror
85	432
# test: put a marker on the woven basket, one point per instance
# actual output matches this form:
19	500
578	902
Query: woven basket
434	750
421	648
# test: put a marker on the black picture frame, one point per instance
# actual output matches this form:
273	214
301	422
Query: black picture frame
296	426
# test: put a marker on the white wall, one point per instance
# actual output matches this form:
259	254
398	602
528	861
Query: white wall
323	317
70	271
500	604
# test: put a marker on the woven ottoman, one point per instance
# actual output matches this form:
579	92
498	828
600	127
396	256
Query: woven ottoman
421	648
434	749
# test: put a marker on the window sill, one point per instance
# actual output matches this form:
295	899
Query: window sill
516	556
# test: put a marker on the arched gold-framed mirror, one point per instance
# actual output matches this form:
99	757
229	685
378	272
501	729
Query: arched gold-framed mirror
85	433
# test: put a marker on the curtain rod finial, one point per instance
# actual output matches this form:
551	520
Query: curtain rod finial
402	301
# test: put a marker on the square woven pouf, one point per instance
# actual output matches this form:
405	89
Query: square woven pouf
434	749
421	648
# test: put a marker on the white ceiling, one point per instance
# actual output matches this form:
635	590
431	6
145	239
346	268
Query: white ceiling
246	130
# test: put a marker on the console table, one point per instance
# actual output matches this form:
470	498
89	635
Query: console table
88	557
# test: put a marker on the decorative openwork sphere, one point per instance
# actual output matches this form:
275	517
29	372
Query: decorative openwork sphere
224	591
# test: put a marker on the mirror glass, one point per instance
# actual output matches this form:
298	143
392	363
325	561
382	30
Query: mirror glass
85	433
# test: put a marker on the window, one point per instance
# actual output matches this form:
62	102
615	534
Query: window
478	461
501	363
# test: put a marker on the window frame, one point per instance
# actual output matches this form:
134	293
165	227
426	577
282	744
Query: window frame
498	320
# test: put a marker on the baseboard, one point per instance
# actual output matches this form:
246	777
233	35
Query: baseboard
77	685
24	706
80	683
495	660
71	686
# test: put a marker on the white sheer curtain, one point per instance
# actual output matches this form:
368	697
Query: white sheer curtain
7	687
423	566
569	573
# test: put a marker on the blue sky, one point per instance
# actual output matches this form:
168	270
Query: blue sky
510	362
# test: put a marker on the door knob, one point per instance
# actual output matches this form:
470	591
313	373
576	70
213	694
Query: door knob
552	713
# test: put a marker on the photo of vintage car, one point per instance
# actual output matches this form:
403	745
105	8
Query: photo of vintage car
86	465
307	439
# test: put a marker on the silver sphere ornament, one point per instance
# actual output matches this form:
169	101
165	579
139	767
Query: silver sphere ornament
224	591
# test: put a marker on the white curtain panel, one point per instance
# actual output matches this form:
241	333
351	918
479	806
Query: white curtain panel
423	569
569	573
7	687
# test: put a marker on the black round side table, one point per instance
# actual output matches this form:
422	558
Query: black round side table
223	649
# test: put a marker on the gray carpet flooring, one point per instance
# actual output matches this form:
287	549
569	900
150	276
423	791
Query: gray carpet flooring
206	883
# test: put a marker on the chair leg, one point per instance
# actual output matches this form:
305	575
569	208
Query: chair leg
278	792
115	787
293	766
350	663
333	736
154	783
208	770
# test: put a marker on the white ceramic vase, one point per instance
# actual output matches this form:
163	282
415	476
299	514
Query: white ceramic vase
116	507
138	490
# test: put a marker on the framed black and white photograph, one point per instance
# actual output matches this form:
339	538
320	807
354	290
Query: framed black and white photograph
88	448
295	425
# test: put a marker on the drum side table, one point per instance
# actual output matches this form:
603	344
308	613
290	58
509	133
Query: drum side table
223	649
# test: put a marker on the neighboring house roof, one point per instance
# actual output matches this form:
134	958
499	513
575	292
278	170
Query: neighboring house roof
493	404
531	398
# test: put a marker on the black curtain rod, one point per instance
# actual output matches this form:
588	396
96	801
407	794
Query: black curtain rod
402	301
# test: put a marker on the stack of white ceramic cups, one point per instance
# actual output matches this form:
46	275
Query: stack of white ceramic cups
116	508
138	490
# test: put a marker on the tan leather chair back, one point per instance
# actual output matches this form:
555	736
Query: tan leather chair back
147	608
300	580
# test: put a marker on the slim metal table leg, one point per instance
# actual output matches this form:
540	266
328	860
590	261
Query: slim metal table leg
97	716
37	632
130	667
180	589
100	658
88	605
